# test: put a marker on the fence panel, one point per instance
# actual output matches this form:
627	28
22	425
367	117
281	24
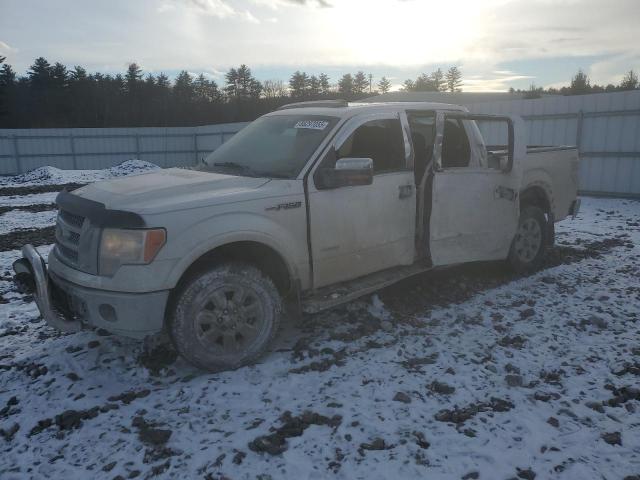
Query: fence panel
605	127
22	150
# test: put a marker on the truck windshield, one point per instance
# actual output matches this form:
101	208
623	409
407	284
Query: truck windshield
275	146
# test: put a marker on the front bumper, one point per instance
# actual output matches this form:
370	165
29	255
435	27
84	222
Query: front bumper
68	307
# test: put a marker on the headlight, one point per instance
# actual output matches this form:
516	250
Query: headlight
121	247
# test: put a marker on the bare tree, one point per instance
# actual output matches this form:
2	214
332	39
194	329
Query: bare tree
274	89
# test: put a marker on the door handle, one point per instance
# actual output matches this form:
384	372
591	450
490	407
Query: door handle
505	192
405	191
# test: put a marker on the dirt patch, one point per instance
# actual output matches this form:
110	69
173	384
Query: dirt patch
276	442
38	207
33	189
35	236
158	358
461	415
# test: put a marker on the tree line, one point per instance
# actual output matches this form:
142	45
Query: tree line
581	85
51	95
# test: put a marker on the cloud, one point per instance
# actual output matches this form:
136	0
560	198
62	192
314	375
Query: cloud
320	3
215	8
275	4
6	49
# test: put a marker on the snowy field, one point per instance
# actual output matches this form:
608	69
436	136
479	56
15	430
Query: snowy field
470	373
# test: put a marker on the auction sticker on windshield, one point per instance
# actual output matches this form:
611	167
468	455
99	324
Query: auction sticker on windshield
312	124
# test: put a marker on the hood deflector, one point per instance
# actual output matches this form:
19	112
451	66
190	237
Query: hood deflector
97	213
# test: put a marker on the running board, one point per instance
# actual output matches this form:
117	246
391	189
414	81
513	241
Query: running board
337	294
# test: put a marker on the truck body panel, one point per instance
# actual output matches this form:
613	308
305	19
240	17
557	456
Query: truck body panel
434	196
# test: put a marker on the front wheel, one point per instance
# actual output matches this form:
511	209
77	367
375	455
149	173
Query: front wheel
528	246
225	317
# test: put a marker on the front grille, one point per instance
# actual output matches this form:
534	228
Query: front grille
71	219
74	238
68	236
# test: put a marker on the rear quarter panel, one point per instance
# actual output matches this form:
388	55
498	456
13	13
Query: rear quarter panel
556	172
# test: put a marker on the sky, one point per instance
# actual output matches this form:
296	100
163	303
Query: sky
496	43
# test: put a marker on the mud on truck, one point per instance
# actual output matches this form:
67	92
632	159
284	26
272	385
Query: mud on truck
313	205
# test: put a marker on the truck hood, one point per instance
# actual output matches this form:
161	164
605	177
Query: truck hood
169	189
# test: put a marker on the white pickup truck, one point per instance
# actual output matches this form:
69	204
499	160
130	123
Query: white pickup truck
314	204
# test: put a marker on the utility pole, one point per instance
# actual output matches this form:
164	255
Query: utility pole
370	82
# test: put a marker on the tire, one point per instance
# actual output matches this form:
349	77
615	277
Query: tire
226	317
529	244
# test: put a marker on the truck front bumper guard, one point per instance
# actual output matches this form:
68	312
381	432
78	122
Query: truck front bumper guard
31	277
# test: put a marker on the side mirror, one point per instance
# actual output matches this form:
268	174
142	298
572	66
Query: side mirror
348	172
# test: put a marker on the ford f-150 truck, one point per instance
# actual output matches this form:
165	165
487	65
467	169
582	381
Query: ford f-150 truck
314	204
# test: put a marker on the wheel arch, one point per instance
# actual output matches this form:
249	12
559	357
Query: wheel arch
537	195
260	254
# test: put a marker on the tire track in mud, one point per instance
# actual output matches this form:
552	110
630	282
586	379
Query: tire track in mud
33	189
32	208
421	294
440	288
35	236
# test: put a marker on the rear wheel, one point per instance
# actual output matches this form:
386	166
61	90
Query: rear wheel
225	317
528	246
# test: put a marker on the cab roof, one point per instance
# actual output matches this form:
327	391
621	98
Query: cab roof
346	110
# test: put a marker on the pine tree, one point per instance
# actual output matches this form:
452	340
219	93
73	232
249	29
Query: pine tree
314	86
630	81
59	75
298	84
39	73
360	83
162	81
241	84
437	78
580	84
325	86
77	74
183	87
133	77
453	79
231	78
384	85
345	85
7	76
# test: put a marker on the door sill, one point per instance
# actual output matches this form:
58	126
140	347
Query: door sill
344	292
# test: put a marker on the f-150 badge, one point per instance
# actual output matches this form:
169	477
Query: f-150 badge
285	206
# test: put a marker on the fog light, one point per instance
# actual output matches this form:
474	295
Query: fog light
108	313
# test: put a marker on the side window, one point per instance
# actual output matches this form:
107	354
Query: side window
380	140
456	151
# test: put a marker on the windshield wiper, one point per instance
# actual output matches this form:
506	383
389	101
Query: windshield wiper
235	166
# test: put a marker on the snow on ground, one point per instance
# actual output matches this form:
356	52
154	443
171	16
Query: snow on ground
55	176
16	219
470	373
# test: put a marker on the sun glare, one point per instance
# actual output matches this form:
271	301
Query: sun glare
410	33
